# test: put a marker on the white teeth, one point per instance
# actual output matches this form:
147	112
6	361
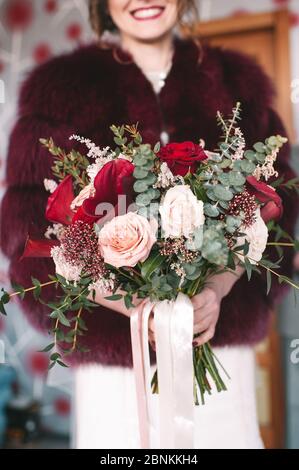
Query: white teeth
147	13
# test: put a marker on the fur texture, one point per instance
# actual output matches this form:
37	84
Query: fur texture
85	92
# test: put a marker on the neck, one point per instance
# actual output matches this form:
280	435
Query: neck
150	56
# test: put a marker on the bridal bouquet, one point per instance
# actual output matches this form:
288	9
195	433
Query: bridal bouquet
137	222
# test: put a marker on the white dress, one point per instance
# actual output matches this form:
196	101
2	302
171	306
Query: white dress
106	410
105	396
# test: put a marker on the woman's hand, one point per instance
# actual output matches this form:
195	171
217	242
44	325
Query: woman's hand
206	306
116	305
206	313
207	303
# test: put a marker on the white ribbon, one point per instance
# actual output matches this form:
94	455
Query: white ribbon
174	335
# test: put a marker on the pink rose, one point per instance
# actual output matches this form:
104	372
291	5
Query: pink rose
127	239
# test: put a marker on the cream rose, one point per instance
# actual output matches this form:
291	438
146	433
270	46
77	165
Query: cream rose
86	192
181	212
127	239
257	236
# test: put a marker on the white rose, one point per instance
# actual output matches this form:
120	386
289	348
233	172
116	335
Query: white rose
257	237
86	193
181	212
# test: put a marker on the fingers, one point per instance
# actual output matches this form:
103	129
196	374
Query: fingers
205	337
202	325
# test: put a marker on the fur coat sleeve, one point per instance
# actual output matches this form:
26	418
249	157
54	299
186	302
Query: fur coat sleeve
84	93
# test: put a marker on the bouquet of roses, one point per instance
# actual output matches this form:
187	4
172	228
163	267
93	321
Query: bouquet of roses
137	222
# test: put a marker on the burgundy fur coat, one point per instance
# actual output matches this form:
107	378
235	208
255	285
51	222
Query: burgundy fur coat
84	93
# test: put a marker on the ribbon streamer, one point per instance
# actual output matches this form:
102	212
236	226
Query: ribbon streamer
174	335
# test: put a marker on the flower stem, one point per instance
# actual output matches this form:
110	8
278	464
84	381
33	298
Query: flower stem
32	288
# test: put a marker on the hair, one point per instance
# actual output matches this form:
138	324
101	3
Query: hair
101	20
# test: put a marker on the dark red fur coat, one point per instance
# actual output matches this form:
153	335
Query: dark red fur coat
84	93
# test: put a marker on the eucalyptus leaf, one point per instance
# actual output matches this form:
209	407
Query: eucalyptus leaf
211	210
223	193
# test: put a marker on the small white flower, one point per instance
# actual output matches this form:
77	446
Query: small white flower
257	236
179	270
165	177
239	153
50	185
103	286
63	268
181	212
55	230
267	168
93	150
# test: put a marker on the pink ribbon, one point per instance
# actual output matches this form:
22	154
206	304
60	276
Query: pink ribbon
174	334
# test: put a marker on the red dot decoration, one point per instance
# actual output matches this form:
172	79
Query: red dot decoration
38	363
50	6
62	406
74	31
2	66
280	3
41	53
294	19
18	14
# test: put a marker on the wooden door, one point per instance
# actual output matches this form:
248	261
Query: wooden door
266	38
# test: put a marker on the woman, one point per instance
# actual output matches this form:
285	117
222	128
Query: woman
173	88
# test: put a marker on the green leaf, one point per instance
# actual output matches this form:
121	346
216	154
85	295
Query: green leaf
19	289
157	147
259	147
55	356
5	298
62	364
2	309
140	173
247	166
143	199
48	348
154	261
62	318
128	301
223	193
250	155
211	210
236	178
140	186
114	297
248	267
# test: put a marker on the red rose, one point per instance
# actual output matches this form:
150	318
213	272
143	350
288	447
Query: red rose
272	209
182	158
113	180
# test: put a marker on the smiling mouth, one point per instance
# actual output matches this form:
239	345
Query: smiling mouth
149	13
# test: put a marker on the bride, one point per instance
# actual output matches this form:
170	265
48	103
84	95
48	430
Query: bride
140	69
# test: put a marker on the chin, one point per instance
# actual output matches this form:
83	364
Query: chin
150	36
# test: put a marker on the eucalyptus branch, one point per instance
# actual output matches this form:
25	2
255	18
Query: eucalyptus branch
233	120
32	288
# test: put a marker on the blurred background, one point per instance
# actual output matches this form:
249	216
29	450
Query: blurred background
35	409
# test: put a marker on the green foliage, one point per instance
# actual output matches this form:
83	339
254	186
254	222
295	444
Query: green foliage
4	300
65	164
